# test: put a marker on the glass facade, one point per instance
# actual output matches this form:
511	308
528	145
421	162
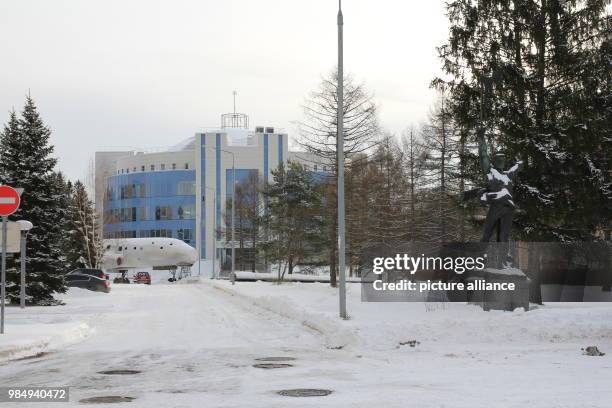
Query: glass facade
155	204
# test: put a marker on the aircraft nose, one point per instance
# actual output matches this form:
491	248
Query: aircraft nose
192	253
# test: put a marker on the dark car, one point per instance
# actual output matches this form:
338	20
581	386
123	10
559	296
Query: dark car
99	273
142	277
85	281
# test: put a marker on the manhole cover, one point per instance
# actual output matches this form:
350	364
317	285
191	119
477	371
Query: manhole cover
119	372
108	399
269	366
275	359
305	392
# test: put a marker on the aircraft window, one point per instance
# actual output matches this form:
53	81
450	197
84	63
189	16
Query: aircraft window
108	247
134	247
120	248
171	244
141	248
161	247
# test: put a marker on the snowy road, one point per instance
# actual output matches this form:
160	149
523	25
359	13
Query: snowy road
195	346
190	342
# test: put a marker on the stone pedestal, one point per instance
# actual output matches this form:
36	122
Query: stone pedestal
500	299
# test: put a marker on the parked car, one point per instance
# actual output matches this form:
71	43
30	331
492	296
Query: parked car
85	281
142	277
122	279
99	273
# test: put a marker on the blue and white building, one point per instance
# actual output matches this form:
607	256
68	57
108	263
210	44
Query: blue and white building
181	192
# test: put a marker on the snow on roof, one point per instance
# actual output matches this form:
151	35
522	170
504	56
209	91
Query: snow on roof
235	137
187	144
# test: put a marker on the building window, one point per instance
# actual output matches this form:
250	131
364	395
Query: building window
163	212
186	166
185	235
163	166
142	168
186	188
186	212
324	168
173	166
152	167
156	233
316	167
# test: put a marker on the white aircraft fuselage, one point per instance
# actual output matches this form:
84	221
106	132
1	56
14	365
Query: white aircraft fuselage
158	253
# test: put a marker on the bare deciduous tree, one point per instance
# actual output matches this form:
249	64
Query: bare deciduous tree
318	135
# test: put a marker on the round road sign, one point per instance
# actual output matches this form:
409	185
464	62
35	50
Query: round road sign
9	200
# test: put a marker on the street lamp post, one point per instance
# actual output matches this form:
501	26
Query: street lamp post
3	278
340	149
25	227
233	275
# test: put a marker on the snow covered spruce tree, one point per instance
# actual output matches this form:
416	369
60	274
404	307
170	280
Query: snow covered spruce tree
318	135
83	243
294	220
550	104
26	161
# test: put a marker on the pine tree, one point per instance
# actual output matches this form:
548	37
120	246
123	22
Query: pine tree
294	218
83	244
549	104
26	161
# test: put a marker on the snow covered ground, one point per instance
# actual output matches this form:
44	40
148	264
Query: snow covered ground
195	345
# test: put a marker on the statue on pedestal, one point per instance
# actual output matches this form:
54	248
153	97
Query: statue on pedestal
498	195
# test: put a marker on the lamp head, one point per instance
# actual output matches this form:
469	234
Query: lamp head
25	225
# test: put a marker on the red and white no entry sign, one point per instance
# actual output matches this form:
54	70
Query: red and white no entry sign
9	200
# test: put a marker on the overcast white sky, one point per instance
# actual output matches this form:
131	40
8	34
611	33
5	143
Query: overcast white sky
145	73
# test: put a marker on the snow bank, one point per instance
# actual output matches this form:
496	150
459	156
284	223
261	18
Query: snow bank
380	326
29	340
39	329
335	335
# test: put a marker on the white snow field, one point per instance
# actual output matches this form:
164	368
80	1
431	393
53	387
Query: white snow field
195	344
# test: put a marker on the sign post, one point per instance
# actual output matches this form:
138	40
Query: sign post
9	203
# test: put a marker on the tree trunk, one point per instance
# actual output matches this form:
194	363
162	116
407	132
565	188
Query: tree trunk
443	175
540	39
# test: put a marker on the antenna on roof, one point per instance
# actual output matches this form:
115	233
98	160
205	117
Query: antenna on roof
235	120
